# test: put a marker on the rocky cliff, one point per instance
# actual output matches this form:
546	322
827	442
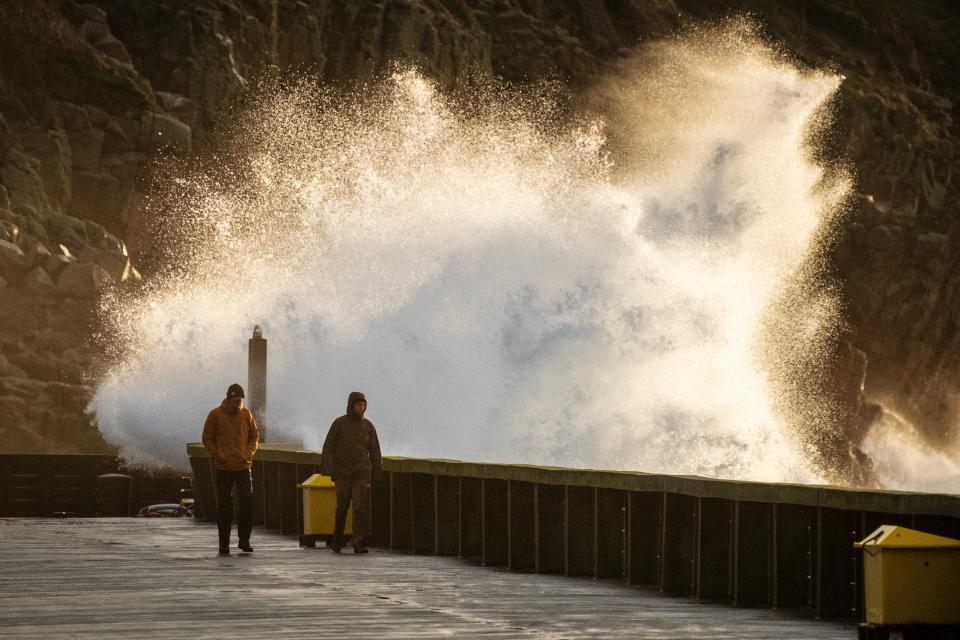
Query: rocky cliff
91	93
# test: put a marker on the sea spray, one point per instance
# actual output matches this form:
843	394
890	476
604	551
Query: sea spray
503	282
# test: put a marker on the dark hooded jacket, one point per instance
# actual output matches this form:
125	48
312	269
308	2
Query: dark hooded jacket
351	448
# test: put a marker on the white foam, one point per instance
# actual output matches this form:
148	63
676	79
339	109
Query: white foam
498	287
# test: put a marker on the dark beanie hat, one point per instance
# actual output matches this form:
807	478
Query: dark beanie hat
235	391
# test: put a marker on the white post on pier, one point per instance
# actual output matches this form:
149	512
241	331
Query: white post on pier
257	379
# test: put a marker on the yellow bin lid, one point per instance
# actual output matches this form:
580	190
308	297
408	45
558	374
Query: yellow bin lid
316	481
890	536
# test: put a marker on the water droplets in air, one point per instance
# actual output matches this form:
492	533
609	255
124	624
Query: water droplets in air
505	281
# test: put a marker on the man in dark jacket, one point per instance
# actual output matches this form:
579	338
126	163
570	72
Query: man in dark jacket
351	456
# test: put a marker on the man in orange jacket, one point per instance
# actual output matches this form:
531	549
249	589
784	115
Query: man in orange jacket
231	437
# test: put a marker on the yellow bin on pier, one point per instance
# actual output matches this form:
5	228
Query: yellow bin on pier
911	577
319	510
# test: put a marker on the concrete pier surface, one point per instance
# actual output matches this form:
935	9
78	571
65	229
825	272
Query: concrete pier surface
136	578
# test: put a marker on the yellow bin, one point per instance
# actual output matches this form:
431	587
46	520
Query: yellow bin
319	510
911	577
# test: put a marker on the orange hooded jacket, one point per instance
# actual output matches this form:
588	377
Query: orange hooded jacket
231	439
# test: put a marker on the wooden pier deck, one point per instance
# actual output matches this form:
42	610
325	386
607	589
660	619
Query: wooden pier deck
136	578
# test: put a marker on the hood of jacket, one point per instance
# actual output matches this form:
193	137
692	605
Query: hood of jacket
352	400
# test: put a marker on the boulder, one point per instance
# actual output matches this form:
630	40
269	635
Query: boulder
80	355
82	280
13	262
57	262
70	372
68	314
6	140
116	139
39	366
98	196
24	185
179	106
95	30
115	264
37	255
67	230
7	368
86	139
9	232
161	131
112	47
52	150
3	284
38	282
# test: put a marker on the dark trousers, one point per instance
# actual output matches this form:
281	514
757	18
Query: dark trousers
227	481
356	490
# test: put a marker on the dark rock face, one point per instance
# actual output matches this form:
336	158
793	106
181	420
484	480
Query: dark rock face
90	93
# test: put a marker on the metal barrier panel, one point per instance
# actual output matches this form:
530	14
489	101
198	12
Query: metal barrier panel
448	515
715	550
259	490
204	487
610	533
423	513
551	538
401	508
678	544
521	526
495	509
471	518
753	560
380	511
644	528
581	519
272	518
835	566
793	549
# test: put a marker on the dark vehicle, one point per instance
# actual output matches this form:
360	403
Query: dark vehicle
166	510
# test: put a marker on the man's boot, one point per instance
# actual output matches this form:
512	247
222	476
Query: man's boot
225	545
340	523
